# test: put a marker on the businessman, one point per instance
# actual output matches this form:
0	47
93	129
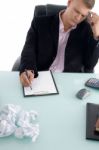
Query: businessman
65	42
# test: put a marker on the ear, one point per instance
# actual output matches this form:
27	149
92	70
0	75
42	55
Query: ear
69	2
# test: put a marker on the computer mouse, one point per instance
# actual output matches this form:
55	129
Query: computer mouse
82	93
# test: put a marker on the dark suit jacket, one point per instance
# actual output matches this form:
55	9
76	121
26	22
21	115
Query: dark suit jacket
41	44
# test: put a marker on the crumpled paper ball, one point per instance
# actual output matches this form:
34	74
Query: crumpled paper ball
14	120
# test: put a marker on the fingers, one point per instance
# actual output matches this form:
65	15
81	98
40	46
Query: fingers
26	80
93	18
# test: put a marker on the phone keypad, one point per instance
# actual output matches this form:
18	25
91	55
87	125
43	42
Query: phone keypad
93	82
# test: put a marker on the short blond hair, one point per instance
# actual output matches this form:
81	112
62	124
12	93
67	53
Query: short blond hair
89	3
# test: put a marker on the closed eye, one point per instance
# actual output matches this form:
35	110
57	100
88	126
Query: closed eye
78	12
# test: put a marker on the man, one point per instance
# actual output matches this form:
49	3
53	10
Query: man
65	42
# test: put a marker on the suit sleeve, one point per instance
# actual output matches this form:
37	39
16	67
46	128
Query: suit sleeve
28	55
91	51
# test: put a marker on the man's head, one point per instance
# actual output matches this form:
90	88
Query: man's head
77	11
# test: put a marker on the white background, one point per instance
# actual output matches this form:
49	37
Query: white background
15	20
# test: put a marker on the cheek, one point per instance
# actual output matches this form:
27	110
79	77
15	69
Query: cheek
73	16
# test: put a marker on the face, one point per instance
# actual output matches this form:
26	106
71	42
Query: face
76	12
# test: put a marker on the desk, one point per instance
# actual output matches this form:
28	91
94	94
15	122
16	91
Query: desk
62	118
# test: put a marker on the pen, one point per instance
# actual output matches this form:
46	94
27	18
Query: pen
28	77
97	123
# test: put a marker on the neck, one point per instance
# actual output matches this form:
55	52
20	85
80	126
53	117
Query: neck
66	24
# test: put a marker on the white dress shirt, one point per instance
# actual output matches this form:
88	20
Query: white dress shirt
58	63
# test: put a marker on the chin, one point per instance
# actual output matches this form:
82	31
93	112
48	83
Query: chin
73	24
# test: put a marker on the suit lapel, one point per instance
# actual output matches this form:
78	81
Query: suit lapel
55	31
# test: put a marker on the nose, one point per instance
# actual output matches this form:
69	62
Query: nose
78	17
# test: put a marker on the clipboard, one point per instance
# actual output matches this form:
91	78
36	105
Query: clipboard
91	117
44	84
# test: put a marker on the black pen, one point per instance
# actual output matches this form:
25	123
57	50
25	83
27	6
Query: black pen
28	77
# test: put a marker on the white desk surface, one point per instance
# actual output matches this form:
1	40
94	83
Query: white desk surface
62	118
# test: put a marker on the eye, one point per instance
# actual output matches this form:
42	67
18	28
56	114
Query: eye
83	16
77	11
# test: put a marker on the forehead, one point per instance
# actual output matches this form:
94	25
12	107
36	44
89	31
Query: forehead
79	6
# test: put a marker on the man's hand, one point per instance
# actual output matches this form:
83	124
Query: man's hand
93	20
26	78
